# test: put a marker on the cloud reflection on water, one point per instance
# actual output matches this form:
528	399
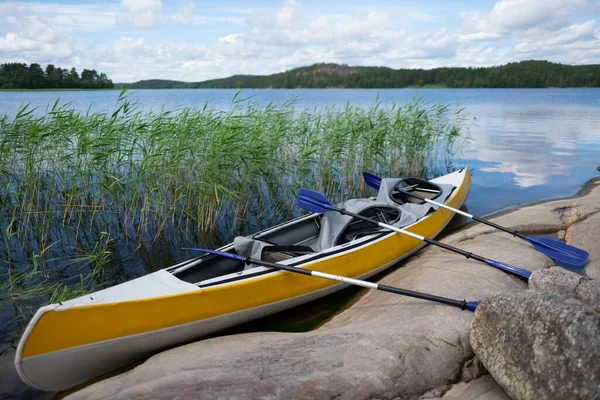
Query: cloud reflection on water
534	142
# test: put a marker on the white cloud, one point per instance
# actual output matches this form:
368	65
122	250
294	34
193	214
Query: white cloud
535	29
525	14
67	17
479	36
16	43
286	14
33	38
142	5
579	40
128	45
510	16
136	59
140	13
294	27
186	13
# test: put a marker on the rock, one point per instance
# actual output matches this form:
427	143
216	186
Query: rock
361	363
484	388
586	235
539	345
471	370
598	168
559	279
537	218
582	207
561	234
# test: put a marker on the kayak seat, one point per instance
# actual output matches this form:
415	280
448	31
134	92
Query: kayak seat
356	228
418	186
268	251
280	253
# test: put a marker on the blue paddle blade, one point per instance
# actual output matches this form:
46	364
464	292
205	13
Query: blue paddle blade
313	201
559	251
225	254
509	268
472	305
372	180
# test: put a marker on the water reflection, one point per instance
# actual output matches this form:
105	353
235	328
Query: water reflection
535	144
529	152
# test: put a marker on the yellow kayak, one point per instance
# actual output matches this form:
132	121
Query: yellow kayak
68	343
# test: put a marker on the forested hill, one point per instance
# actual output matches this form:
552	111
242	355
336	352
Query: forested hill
23	76
525	74
236	81
157	84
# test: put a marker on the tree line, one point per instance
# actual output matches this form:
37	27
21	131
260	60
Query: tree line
525	74
22	76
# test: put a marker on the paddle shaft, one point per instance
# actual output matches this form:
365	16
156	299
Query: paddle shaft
465	214
316	202
467	254
462	304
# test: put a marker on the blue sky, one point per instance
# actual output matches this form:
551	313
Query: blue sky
197	40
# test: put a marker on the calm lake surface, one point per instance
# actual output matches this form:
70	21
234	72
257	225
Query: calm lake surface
527	144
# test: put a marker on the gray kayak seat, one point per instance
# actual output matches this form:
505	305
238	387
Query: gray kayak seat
338	228
389	190
267	251
247	247
333	224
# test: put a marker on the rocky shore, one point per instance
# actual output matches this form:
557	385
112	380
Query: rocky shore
527	340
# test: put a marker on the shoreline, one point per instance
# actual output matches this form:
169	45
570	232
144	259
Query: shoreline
582	191
304	88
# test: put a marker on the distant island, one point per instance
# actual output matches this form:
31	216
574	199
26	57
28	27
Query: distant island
525	74
22	76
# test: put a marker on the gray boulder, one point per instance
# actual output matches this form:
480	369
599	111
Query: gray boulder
539	345
483	388
583	288
586	234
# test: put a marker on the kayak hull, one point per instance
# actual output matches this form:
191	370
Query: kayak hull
69	343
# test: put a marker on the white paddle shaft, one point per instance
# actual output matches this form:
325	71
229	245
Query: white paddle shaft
344	279
393	228
435	203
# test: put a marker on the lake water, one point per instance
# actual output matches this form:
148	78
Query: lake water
527	144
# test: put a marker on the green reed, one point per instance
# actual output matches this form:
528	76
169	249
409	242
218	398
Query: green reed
77	188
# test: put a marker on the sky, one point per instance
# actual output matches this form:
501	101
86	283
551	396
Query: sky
186	40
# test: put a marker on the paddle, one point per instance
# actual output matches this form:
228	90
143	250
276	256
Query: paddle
462	304
316	202
558	251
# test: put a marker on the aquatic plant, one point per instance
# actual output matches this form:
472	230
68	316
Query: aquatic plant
85	196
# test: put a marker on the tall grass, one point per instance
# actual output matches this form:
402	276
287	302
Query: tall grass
84	196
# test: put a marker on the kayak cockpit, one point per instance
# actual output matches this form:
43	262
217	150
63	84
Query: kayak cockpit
303	239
